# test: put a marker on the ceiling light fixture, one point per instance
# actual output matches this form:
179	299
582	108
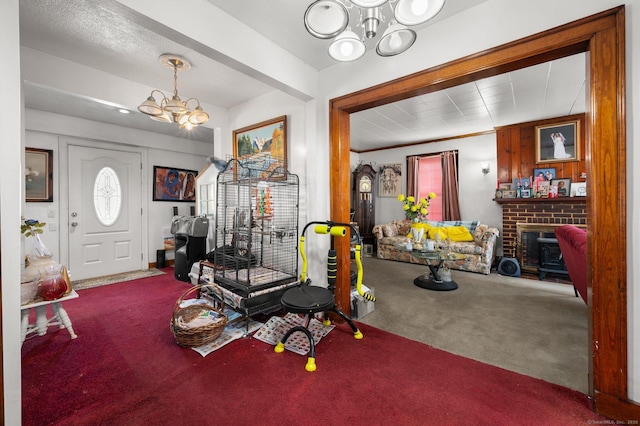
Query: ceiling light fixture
327	19
174	110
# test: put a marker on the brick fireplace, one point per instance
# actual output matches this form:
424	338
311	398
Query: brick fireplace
526	219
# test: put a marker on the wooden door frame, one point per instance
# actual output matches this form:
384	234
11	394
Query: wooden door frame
602	37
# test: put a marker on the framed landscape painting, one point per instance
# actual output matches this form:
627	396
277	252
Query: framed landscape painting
267	139
38	175
173	184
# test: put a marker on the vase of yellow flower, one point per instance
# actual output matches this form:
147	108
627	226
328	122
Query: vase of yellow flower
416	210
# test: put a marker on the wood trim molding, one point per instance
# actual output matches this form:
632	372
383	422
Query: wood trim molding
602	37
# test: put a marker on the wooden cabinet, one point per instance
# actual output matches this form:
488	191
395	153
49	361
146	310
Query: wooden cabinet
363	201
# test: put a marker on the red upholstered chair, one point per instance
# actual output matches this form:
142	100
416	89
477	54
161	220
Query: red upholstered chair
573	246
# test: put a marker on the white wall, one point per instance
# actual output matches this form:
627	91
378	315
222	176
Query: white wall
303	156
11	200
52	131
488	25
476	189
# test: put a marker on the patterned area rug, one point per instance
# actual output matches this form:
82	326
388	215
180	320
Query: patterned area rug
115	278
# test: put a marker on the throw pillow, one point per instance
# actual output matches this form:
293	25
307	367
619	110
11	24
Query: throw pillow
437	233
459	233
389	230
478	234
471	225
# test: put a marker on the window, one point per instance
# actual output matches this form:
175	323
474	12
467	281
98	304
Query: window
430	180
107	196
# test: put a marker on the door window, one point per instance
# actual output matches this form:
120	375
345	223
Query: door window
107	196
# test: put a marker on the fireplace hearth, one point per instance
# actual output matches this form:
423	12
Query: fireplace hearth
537	249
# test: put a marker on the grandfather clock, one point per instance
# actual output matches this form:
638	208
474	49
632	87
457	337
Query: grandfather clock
363	201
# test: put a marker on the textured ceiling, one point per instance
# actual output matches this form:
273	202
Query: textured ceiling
103	35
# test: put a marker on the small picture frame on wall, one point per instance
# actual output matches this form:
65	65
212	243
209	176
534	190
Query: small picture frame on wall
557	143
38	175
173	184
389	183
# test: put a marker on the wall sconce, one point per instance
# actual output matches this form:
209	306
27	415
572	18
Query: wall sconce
486	168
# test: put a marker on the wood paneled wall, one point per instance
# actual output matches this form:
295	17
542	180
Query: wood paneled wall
516	148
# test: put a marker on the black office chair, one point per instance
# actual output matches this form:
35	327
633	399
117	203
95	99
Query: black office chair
310	300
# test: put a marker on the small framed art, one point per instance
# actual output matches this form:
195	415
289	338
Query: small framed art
558	143
38	174
564	186
172	184
578	189
389	184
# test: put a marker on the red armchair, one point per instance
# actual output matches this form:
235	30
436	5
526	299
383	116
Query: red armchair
573	246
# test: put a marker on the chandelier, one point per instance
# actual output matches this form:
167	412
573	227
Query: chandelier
327	19
174	110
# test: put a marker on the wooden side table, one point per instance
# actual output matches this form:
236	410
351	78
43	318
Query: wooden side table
60	317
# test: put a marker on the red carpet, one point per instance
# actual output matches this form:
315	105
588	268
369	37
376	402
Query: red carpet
125	369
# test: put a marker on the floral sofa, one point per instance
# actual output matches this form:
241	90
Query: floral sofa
478	253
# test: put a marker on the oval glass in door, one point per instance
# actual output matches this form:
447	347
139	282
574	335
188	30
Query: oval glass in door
107	196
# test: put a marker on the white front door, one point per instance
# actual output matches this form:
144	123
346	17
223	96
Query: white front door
105	212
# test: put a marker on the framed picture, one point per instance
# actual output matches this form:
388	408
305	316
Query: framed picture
579	189
172	184
263	143
540	175
389	184
558	143
523	183
564	186
505	187
38	175
542	189
525	193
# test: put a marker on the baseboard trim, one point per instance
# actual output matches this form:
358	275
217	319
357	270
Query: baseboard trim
168	262
615	408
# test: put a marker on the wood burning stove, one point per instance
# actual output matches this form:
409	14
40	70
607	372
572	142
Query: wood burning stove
550	258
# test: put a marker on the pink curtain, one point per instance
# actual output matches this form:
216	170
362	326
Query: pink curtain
450	199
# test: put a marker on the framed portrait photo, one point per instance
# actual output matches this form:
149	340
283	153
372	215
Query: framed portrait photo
564	186
558	143
540	175
38	175
173	184
266	140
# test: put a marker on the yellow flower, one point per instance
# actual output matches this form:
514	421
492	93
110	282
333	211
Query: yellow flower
415	210
432	195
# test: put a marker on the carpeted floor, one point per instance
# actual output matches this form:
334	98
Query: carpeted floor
535	328
126	369
115	278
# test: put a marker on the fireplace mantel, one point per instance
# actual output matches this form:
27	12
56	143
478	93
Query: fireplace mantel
559	200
